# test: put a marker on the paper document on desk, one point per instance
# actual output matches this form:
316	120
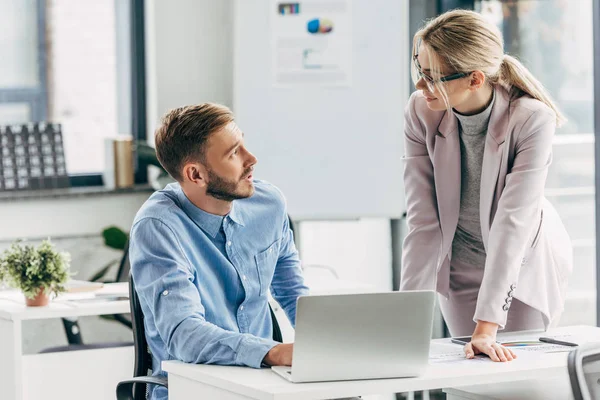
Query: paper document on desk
450	353
535	346
108	292
77	286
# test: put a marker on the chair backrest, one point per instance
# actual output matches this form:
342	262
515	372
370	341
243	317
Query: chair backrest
584	372
124	266
292	227
143	358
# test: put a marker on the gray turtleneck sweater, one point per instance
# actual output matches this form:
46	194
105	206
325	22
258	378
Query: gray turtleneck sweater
467	246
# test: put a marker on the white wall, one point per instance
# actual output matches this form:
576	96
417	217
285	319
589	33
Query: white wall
70	217
189	54
357	250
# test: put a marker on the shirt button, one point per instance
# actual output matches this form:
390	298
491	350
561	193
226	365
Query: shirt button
271	250
229	243
241	308
244	277
166	292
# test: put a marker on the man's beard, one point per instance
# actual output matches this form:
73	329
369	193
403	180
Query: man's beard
223	189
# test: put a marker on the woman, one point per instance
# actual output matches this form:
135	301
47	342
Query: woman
478	144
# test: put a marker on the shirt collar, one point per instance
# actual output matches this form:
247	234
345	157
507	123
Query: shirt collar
210	223
236	213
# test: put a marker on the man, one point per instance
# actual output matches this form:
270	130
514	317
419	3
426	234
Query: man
205	251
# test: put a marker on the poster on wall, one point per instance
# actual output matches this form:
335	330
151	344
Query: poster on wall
312	42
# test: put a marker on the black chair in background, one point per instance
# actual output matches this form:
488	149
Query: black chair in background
583	365
73	330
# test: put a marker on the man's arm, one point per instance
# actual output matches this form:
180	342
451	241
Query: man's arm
288	282
164	283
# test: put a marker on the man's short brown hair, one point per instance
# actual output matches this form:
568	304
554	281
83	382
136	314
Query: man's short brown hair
183	133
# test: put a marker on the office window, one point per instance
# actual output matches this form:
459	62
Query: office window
68	62
554	39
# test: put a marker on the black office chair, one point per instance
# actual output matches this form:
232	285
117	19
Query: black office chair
73	330
137	387
71	326
583	369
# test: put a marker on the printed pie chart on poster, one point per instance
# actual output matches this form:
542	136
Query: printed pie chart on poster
319	26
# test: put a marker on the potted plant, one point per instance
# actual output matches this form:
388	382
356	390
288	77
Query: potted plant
37	272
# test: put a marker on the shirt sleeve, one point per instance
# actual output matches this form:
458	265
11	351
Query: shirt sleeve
164	283
288	281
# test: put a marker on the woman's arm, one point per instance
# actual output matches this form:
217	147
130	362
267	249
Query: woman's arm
517	214
422	245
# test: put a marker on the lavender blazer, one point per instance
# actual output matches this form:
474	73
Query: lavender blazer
529	254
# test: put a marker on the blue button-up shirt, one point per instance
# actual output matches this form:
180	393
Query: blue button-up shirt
203	279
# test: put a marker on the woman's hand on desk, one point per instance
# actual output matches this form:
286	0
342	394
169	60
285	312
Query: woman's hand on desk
484	341
280	355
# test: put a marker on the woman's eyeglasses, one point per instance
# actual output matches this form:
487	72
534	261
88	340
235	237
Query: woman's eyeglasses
430	81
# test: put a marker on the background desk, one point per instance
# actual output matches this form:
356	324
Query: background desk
89	374
187	381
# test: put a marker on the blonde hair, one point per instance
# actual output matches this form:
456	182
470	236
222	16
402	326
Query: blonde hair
464	41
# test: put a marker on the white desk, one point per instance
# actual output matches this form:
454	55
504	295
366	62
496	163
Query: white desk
89	374
188	381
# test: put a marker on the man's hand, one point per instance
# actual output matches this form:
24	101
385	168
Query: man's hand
280	355
484	341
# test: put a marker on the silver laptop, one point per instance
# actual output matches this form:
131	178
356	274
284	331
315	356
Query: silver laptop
361	336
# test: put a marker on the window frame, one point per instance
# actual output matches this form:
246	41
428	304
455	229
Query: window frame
596	45
37	97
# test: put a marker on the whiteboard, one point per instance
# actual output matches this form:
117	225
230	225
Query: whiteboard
334	151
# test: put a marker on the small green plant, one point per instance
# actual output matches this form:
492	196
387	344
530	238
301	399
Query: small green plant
33	269
2	276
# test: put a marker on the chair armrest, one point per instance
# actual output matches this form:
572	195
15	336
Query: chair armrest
72	331
125	388
121	319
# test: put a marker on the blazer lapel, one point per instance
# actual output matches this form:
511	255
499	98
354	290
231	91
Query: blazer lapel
492	160
446	162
